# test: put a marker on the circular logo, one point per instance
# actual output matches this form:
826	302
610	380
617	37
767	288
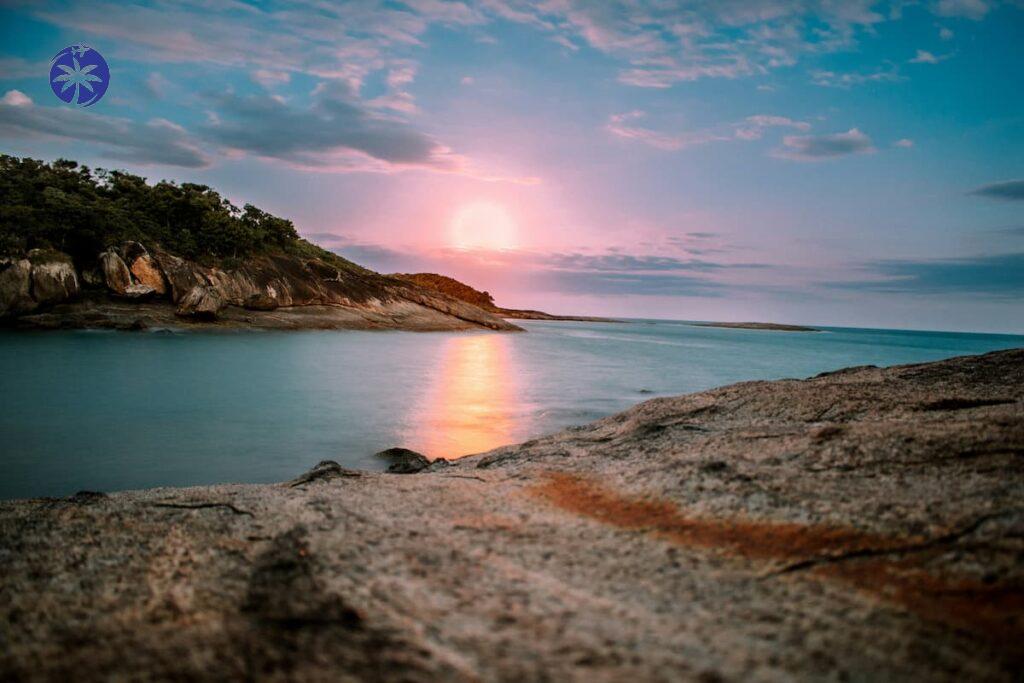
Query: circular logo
79	75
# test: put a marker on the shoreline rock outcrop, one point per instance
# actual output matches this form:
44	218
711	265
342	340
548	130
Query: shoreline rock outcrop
271	291
463	292
40	280
403	460
16	287
860	525
53	280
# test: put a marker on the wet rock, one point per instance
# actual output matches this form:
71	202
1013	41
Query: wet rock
404	461
115	273
201	302
15	287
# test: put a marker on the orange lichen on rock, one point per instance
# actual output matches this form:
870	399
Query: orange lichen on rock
886	567
746	538
994	611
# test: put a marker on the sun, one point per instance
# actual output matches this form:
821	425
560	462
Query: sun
483	225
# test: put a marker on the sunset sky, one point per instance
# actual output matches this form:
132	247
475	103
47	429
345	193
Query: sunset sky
844	162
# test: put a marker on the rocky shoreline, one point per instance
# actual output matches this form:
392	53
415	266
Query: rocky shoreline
133	287
865	524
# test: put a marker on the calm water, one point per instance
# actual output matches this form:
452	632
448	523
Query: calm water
107	410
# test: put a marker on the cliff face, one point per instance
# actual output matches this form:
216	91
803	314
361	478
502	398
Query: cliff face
861	525
46	290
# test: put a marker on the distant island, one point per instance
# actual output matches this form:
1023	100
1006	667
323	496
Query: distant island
484	300
105	249
760	326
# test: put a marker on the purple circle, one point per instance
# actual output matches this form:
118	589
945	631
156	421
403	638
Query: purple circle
79	75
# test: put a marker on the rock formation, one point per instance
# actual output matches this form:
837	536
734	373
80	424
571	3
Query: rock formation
202	302
282	291
866	524
16	287
463	292
146	272
53	279
404	461
115	273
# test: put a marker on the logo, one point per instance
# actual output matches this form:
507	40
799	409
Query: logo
79	75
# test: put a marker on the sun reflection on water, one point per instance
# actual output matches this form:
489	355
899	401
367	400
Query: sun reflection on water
471	406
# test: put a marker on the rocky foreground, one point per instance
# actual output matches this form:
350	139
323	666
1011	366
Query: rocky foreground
866	524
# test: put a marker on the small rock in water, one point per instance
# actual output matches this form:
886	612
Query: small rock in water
404	461
324	470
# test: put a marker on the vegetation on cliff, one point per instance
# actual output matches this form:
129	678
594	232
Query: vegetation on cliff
451	287
484	300
81	212
80	248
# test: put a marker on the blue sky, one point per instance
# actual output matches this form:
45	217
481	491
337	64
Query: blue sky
849	163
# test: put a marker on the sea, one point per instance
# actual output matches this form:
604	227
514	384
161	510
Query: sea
108	411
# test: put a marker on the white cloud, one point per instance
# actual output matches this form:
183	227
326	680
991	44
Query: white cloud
398	98
664	43
157	85
965	9
156	142
621	126
16	98
565	42
268	78
832	79
751	128
903	142
754	126
16	67
925	57
654	43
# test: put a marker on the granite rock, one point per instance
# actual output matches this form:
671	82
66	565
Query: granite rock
862	525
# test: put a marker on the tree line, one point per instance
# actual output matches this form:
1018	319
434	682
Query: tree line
69	207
